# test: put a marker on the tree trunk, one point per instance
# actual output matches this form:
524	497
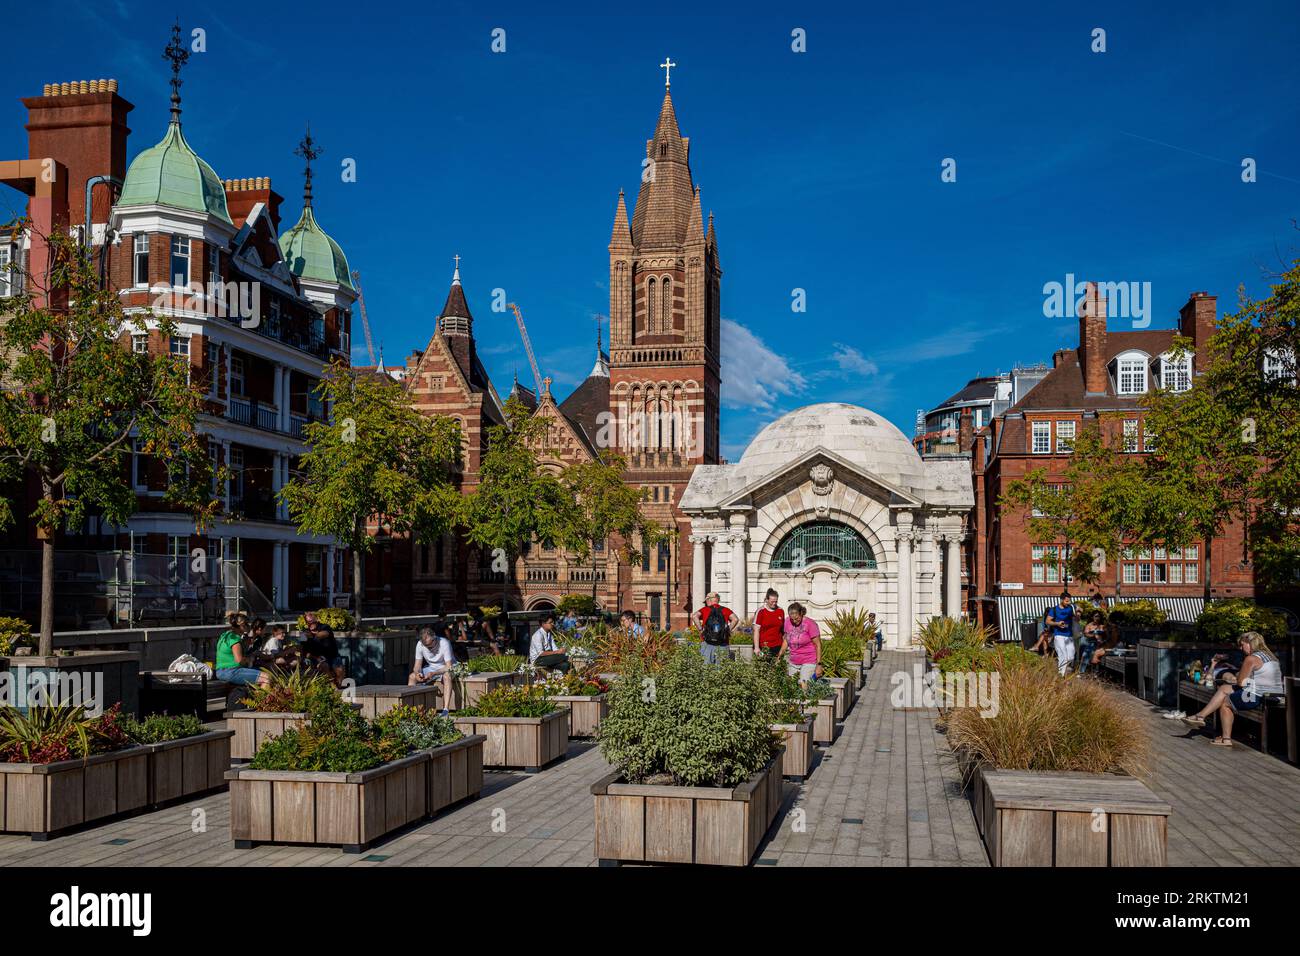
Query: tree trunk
47	594
358	561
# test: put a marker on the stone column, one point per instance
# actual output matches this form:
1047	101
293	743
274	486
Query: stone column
739	582
952	568
277	575
903	540
699	586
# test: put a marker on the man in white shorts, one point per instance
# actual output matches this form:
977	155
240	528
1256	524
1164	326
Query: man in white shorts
434	660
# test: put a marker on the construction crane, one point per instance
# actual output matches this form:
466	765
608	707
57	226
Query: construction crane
528	347
365	321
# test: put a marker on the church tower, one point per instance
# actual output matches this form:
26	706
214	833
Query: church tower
664	283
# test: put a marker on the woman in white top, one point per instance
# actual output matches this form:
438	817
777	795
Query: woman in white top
434	659
1260	674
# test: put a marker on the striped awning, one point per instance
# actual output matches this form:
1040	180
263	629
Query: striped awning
1184	609
1017	609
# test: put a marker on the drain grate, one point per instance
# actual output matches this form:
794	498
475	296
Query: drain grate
857	820
374	858
120	841
765	862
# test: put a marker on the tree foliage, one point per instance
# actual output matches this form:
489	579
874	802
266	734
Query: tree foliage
74	399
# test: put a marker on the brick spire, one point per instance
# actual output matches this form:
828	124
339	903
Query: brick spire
622	237
695	231
663	206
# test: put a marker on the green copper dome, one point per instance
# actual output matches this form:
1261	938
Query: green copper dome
172	174
310	253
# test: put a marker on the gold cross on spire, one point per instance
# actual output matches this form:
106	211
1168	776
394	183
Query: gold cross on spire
667	66
177	54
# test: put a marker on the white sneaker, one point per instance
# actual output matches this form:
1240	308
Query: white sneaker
1173	715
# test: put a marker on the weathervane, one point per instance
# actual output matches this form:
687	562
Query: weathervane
309	151
177	54
667	66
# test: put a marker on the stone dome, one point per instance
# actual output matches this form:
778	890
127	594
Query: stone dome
853	433
172	174
310	253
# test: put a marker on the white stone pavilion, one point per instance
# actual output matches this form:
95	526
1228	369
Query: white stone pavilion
832	506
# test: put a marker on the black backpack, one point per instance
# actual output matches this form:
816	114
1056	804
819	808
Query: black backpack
715	627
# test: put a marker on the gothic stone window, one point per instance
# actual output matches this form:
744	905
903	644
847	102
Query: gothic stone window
823	541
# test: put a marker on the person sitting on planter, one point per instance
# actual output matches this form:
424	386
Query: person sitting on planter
715	623
628	622
434	660
1260	674
543	652
802	641
1093	646
323	650
231	658
880	630
769	626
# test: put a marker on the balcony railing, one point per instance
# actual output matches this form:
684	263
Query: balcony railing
288	335
265	417
254	505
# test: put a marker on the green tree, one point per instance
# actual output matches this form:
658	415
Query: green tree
1229	447
376	461
606	506
74	400
517	499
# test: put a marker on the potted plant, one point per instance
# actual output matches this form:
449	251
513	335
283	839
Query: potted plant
1054	755
584	694
290	700
793	727
697	774
345	781
484	674
522	727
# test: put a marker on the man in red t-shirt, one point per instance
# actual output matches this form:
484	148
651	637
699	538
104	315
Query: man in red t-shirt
715	623
768	625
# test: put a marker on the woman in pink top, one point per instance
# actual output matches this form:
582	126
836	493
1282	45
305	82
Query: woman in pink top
803	640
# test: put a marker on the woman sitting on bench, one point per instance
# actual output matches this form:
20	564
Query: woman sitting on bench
1260	674
231	659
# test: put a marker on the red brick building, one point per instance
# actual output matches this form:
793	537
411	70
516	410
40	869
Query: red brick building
258	315
1101	380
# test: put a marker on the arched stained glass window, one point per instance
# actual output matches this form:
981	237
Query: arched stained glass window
823	542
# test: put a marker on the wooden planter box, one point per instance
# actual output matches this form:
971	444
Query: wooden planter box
254	727
384	657
742	652
527	742
45	800
119	672
823	714
455	773
644	823
476	685
585	713
376	699
859	674
1160	667
189	766
1031	818
845	695
796	763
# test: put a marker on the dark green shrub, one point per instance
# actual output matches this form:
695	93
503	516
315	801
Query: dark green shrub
582	605
488	663
512	702
159	728
1137	614
695	724
1224	621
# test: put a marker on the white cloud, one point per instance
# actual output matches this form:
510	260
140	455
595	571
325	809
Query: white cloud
850	359
754	376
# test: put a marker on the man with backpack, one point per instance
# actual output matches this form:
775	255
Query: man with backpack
715	623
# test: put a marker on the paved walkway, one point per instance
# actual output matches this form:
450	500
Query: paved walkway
884	794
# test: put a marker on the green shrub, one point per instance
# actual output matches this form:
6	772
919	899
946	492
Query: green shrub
1223	621
852	623
416	728
14	632
1140	613
968	660
310	749
490	663
695	724
50	733
159	728
1084	610
947	633
582	605
295	691
512	702
836	655
337	619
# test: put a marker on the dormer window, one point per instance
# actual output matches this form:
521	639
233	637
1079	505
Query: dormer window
1131	374
1176	373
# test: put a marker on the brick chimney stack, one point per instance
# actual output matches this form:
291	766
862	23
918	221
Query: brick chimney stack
1196	321
82	125
965	431
1092	340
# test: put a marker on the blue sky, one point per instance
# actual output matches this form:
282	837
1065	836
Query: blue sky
822	168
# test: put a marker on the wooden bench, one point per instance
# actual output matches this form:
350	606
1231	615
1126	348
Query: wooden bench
1273	708
164	692
1124	667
